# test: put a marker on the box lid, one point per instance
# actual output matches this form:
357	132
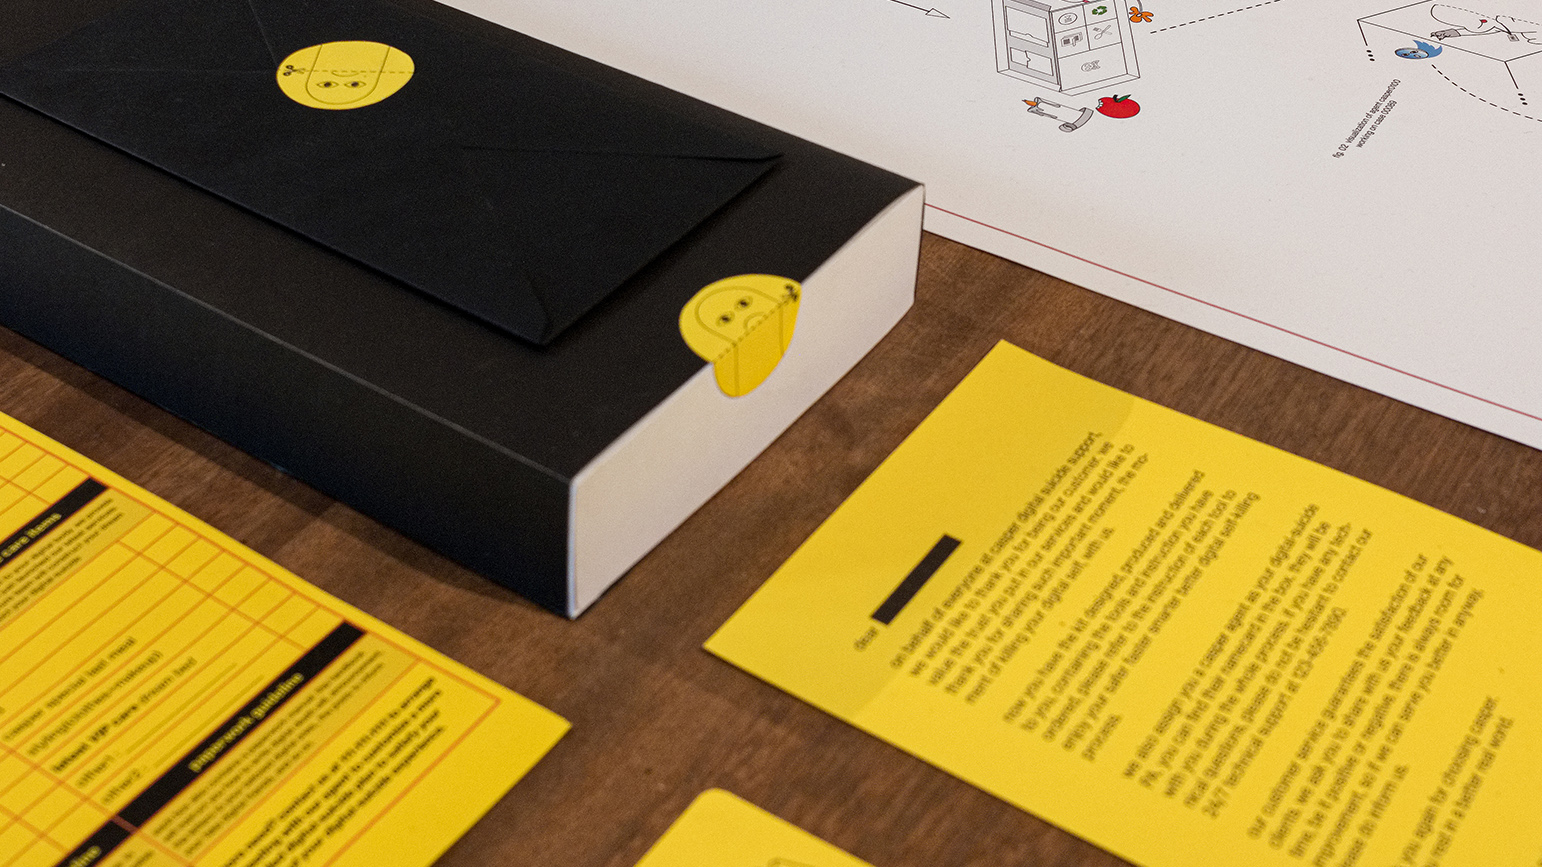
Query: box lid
495	182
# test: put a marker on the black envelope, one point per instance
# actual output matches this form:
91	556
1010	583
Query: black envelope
494	182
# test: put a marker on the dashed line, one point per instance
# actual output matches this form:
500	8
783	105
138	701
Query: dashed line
1217	15
1481	99
1493	18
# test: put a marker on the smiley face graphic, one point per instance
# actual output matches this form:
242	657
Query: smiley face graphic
742	325
337	76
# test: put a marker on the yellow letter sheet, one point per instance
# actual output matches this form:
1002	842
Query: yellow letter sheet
720	829
1184	646
168	697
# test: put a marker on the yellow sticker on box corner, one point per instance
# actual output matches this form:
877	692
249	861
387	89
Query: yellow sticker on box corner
742	325
337	76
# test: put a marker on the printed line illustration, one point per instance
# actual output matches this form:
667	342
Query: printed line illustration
1420	51
1216	15
1469	23
1067	45
1073	118
932	12
1491	53
1486	102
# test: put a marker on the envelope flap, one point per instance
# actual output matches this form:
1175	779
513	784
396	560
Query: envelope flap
516	192
591	120
627	204
154	37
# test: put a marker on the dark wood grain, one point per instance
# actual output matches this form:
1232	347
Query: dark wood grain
656	719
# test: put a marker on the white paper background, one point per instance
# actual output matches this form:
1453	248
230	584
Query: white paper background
1409	265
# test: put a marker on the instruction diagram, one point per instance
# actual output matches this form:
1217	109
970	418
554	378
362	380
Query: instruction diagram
1260	171
1493	52
1067	45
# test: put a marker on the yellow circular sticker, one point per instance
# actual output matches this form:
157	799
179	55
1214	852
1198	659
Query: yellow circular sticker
341	75
742	325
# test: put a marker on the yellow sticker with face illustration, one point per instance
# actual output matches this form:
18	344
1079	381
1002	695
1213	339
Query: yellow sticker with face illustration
341	75
742	325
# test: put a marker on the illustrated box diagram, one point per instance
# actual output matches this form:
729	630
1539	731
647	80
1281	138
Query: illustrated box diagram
1067	45
1490	48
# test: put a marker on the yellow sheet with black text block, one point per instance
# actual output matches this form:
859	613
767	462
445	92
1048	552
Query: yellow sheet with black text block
1182	645
168	697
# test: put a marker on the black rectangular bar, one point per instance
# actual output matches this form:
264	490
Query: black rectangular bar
226	736
917	579
52	517
98	846
239	726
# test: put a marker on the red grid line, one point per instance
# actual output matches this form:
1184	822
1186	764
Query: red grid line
41	841
253	559
171	659
303	764
23	471
103	812
18	820
180	747
155	507
147	647
55	619
400	796
1240	315
20	441
43	724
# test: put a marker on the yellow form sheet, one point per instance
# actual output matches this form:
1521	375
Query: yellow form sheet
1180	644
721	829
168	697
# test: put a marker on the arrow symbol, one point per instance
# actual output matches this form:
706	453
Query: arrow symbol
930	13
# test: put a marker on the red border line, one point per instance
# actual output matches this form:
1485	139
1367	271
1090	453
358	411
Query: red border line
423	775
1245	316
321	599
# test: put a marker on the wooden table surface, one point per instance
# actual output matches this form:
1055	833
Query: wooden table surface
656	720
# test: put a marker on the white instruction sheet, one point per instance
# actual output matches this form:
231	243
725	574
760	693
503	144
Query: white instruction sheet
1352	185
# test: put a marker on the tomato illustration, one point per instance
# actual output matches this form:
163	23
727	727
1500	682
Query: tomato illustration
1118	106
